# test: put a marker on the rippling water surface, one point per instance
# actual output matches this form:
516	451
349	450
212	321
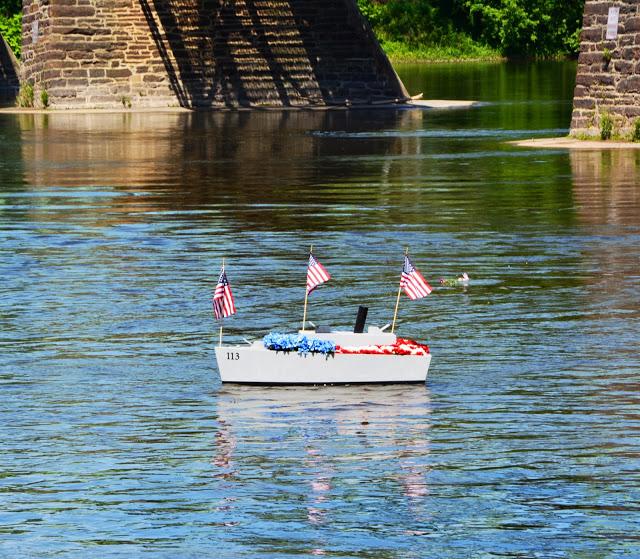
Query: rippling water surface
116	437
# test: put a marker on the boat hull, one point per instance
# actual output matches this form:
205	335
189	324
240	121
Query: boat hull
256	365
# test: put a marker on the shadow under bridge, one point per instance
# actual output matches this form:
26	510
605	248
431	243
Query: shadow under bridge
253	53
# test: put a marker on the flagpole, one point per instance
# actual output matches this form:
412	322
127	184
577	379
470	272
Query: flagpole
221	320
306	295
395	313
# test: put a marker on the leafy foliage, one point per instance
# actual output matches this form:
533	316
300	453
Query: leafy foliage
11	23
635	133
11	30
416	22
10	7
527	27
512	27
26	96
606	126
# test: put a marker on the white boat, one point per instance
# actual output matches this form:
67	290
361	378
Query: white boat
354	361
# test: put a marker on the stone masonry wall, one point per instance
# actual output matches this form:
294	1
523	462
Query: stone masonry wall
608	79
203	53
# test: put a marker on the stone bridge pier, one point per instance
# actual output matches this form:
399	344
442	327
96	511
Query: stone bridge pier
608	81
204	54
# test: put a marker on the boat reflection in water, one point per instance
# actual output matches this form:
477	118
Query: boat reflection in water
328	445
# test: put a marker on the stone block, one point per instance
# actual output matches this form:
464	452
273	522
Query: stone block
53	84
630	85
590	80
118	73
61	10
630	53
152	78
75	73
597	7
51	73
632	112
62	92
584	103
78	82
624	66
66	3
591	58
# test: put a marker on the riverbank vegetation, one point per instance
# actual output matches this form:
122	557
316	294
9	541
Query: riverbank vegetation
433	30
411	30
11	23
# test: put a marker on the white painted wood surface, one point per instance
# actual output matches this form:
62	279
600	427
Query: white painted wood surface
257	365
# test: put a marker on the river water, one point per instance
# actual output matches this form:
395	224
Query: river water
116	437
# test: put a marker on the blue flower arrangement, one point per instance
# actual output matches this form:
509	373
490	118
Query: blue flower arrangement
299	343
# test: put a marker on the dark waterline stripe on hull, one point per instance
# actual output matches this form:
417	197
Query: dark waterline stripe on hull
380	383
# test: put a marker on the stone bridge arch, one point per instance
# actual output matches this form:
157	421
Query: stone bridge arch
204	54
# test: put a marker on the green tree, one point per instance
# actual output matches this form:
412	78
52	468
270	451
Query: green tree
513	27
11	6
11	23
527	27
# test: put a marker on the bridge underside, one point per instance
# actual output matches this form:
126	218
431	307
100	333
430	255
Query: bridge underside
204	53
8	73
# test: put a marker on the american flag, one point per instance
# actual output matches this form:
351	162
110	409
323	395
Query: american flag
223	304
316	274
412	282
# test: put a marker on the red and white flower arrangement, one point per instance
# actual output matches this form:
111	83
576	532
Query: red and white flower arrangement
401	347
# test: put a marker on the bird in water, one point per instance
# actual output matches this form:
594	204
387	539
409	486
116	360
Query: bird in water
462	279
